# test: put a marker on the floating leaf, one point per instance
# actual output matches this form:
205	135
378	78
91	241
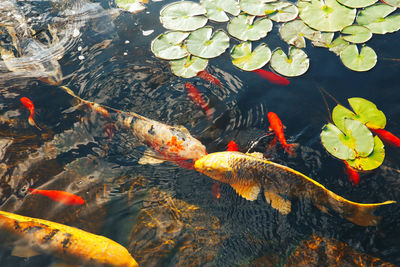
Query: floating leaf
203	43
293	33
183	16
363	61
329	16
245	59
255	7
395	3
243	28
360	136
188	67
339	113
373	161
133	6
377	20
322	39
296	65
338	45
356	34
216	9
357	3
169	45
331	138
281	11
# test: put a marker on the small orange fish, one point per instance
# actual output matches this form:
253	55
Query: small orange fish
277	126
232	146
196	97
272	77
59	196
96	107
353	174
387	137
29	105
215	191
205	75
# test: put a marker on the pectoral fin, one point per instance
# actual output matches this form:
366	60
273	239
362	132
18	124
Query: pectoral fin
150	157
24	251
278	203
249	192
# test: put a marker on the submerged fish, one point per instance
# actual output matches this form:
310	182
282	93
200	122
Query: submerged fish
59	196
31	107
352	173
196	97
205	75
387	137
65	242
277	126
272	77
232	146
249	174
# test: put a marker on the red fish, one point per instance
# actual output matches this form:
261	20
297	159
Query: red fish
215	191
196	97
205	75
29	105
387	137
232	146
352	173
277	126
272	77
59	196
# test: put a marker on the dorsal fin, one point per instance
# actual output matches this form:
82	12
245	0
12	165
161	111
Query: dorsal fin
249	192
256	155
277	202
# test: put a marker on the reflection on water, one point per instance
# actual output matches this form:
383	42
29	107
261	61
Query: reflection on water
164	214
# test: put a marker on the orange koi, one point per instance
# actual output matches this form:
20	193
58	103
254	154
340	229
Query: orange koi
59	196
272	77
353	174
232	146
196	97
205	75
387	137
215	191
277	126
31	107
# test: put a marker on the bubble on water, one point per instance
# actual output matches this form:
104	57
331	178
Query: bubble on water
81	57
80	48
127	41
146	33
125	53
75	33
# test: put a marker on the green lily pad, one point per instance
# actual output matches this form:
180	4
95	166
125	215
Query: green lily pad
338	45
360	135
357	3
328	15
133	6
244	28
322	39
255	7
203	43
395	3
332	139
216	9
183	16
281	11
363	61
296	65
356	34
245	59
169	45
373	161
188	67
293	33
377	20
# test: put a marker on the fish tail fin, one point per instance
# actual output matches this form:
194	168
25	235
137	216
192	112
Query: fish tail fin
290	149
363	214
32	122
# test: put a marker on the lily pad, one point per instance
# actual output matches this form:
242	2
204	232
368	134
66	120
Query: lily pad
203	43
183	16
328	15
356	34
169	45
373	161
216	9
331	138
296	65
377	20
360	136
293	33
338	45
244	28
357	3
281	11
255	7
322	39
363	61
188	67
395	3
245	59
133	6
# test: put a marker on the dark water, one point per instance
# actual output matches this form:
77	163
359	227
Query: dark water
163	214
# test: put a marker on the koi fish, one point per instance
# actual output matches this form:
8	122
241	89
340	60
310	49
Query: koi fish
31	107
352	173
215	191
205	75
70	244
196	97
387	137
277	126
232	146
59	196
272	77
248	174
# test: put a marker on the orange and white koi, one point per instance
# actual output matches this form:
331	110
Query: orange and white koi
277	126
205	75
196	97
31	107
59	196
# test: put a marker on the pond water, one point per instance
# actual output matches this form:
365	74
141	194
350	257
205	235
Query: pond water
166	215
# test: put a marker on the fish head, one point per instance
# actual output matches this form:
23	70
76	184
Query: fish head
217	166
